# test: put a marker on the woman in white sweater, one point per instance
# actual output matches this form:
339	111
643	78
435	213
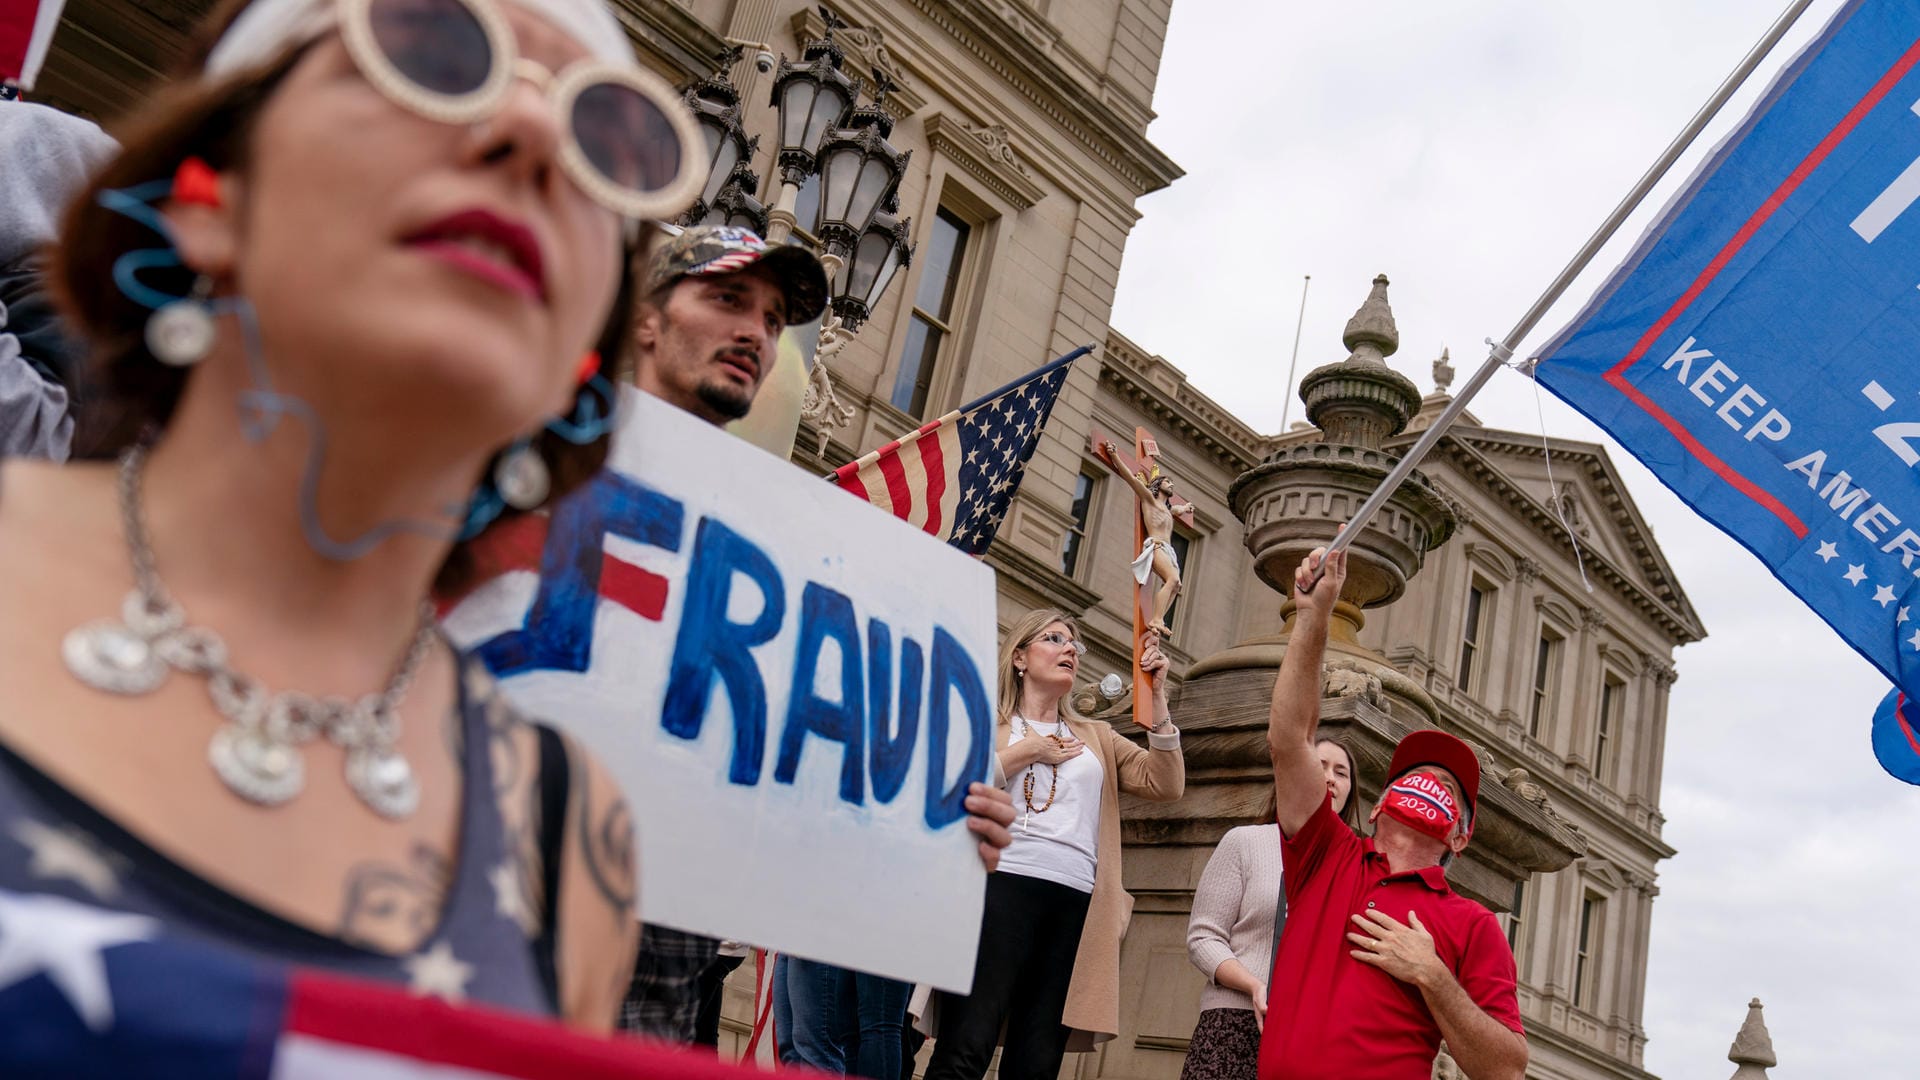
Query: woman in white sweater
1231	934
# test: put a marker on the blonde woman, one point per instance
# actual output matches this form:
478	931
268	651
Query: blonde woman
1049	959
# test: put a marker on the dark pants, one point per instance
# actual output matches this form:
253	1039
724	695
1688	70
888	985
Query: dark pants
839	1021
712	988
1029	935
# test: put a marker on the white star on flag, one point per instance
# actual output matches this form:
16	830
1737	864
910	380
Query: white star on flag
1883	595
1855	573
63	940
1902	617
509	899
66	854
1915	639
438	973
1827	551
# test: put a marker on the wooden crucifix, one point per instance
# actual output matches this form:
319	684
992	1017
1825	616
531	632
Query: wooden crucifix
1156	507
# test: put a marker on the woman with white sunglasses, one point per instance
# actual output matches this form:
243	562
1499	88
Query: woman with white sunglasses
1048	966
347	288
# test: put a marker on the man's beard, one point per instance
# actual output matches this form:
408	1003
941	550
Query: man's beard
725	399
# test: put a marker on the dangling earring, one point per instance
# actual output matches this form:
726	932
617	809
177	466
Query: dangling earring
592	414
1019	673
521	477
181	333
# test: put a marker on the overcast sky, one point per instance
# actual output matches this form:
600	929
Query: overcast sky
1466	150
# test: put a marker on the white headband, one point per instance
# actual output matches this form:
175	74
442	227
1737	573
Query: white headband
267	28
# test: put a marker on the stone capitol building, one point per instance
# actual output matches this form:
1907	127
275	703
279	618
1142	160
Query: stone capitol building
1466	609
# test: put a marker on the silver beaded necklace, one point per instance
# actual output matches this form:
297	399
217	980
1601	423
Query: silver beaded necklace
256	753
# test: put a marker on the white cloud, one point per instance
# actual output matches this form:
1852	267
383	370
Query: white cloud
1467	150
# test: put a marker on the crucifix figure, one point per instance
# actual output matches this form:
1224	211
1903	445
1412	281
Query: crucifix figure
1156	507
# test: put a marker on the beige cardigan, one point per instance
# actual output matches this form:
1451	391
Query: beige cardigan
1158	774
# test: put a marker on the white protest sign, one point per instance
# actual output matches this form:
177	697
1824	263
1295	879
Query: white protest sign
793	687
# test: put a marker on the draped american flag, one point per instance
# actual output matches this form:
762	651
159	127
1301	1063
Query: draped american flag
26	30
954	476
92	994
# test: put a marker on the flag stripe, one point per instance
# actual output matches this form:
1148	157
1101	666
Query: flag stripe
952	478
303	1058
934	463
1900	714
485	1042
16	34
895	475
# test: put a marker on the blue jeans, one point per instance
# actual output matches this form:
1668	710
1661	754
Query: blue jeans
838	1021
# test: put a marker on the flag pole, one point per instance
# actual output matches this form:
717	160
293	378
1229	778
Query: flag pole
1500	352
1293	365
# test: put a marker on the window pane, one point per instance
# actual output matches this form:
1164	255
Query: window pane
1470	635
916	366
1514	916
1543	663
941	250
1582	984
1609	704
1076	532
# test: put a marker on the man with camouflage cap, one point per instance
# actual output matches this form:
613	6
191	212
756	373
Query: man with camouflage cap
713	302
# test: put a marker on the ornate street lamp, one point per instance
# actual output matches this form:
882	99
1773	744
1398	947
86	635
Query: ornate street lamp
859	171
735	204
715	103
812	96
882	252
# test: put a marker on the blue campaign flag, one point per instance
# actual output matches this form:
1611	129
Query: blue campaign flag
1757	349
1895	745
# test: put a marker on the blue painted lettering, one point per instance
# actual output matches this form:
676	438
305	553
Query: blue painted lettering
825	614
890	747
953	670
708	645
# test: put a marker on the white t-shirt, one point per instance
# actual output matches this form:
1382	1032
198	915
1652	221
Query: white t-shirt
1062	843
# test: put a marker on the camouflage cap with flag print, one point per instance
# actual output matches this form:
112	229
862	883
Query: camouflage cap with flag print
706	250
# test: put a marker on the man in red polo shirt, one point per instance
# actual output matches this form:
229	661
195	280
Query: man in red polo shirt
1379	960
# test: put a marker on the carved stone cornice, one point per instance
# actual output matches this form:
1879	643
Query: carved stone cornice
986	153
1606	489
1526	570
867	50
677	41
1668	609
1027	54
1130	370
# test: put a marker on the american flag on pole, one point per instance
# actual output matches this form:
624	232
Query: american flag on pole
26	29
91	994
954	476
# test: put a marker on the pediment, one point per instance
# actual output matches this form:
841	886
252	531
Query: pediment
1585	491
